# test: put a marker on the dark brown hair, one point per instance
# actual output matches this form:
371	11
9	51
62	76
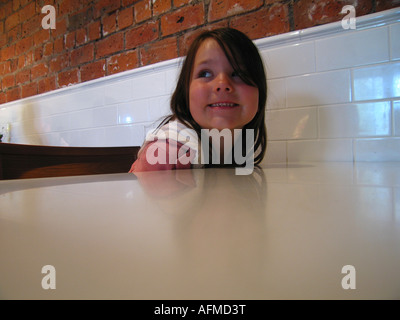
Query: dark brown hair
245	59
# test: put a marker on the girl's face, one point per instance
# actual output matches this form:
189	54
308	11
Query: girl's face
218	97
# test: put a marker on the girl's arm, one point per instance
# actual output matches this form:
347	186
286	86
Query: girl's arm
164	147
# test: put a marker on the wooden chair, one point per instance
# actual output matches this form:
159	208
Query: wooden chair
19	161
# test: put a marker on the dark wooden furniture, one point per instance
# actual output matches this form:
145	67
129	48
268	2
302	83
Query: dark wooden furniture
19	161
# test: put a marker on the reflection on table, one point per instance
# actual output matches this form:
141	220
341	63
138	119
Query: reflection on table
284	232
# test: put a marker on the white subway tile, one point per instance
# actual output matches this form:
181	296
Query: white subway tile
73	138
380	149
396	118
318	89
276	152
292	124
276	94
92	137
355	120
289	60
149	85
171	78
53	139
105	116
395	41
124	135
352	49
14	113
158	107
133	111
320	150
80	119
118	91
377	82
87	98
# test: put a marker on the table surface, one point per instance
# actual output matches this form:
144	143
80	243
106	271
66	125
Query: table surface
284	232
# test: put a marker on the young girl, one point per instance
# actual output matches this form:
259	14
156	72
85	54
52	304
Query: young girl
222	86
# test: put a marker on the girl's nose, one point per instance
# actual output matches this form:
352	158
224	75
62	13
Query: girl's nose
223	84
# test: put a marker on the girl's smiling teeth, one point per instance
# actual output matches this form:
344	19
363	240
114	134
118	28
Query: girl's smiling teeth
223	105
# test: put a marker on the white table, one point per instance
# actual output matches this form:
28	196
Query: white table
283	233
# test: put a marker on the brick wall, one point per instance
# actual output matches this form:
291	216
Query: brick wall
96	38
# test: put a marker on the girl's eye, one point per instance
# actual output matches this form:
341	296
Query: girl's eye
237	74
204	74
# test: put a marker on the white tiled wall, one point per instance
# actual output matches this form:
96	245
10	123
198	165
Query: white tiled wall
333	95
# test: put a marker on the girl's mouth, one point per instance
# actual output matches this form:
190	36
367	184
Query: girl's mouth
223	105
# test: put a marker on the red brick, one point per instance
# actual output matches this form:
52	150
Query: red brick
38	54
67	7
23	76
27	12
141	35
61	28
3	98
160	7
110	45
80	19
41	36
109	24
93	70
125	18
309	13
29	90
221	9
126	3
182	19
47	84
180	3
7	8
82	54
142	10
122	62
69	40
14	35
21	61
263	23
3	40
11	21
4	68
8	81
2	12
385	4
48	49
59	63
105	6
13	65
39	70
58	45
30	26
68	78
159	51
23	45
7	53
94	31
13	94
29	57
81	37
